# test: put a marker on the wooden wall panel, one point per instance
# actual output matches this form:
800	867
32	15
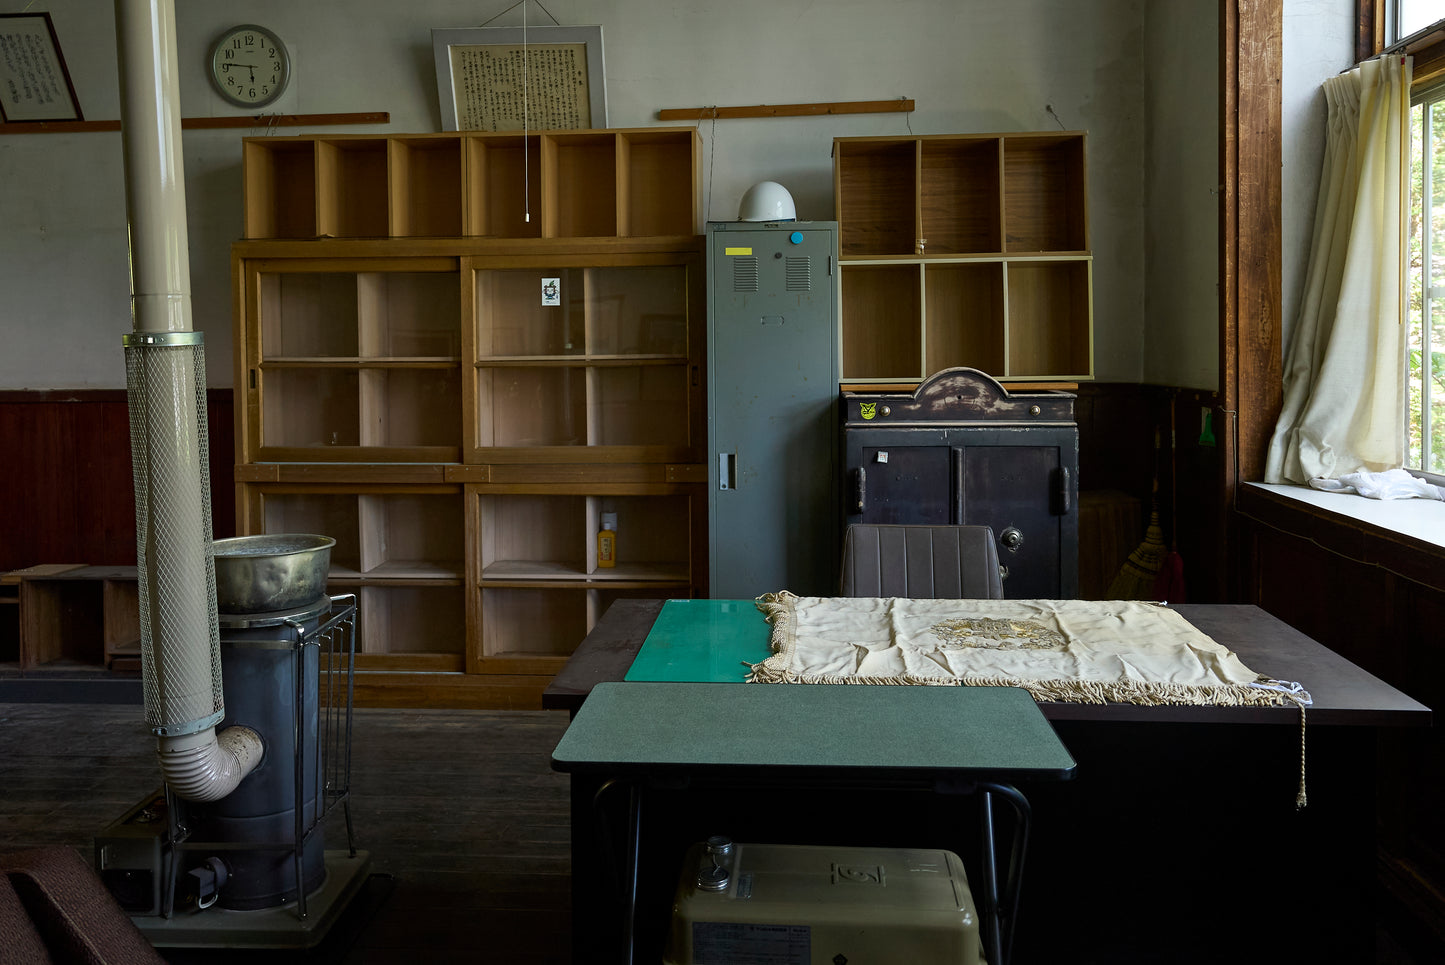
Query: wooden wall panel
67	481
1378	599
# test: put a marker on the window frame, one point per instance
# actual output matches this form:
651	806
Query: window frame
1432	261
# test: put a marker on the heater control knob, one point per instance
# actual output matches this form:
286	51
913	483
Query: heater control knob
796	237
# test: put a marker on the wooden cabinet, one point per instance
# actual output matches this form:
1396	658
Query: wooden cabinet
454	354
964	250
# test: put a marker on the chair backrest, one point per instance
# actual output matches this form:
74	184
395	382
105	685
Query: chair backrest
921	562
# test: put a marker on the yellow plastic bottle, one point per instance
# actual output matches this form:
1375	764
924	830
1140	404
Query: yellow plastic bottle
607	541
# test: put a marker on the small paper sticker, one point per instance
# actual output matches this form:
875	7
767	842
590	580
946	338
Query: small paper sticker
868	409
551	291
737	251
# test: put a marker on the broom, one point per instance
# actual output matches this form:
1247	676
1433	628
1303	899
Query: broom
1136	577
1169	584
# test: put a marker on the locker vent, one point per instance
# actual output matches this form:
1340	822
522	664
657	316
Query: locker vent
800	274
745	274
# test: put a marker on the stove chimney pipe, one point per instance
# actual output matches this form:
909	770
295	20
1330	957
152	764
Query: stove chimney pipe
165	377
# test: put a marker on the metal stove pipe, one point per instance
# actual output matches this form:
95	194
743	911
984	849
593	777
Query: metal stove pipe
165	376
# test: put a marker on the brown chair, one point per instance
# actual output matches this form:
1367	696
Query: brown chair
922	562
54	909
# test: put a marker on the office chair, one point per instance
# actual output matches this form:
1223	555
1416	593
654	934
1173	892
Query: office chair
921	562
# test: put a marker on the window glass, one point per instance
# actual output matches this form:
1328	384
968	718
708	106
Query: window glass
1413	15
1426	290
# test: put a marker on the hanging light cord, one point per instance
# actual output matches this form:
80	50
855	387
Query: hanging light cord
526	156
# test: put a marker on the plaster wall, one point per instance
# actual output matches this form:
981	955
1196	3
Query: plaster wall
970	65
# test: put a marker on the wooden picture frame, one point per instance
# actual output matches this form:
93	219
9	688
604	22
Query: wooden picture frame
34	82
565	78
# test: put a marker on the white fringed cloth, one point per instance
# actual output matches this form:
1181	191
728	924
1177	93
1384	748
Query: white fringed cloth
1078	651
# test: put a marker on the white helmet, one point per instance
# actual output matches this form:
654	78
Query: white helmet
767	201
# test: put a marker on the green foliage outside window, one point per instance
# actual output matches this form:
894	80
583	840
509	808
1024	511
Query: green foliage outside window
1427	335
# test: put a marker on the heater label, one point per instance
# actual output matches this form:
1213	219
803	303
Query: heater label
737	251
725	941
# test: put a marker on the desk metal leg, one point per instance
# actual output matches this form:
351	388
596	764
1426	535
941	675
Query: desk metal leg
1000	910
626	883
634	849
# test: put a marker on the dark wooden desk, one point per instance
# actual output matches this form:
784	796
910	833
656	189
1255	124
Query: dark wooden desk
1180	831
1342	692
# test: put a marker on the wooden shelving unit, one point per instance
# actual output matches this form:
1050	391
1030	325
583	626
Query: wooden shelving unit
73	617
454	352
964	250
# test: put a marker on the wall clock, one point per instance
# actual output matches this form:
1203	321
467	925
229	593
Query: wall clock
250	66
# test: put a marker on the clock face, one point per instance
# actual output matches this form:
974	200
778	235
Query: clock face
250	65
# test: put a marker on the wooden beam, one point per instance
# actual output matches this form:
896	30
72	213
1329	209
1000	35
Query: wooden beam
786	110
203	123
1250	253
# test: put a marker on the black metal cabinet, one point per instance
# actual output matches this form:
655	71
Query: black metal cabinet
962	449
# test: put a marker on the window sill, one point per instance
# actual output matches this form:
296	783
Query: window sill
1404	536
1420	519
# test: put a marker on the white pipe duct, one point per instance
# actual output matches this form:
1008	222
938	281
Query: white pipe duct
180	646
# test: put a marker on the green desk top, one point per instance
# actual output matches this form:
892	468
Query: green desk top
702	640
984	733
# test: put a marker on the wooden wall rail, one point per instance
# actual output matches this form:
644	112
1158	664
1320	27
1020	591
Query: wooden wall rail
203	123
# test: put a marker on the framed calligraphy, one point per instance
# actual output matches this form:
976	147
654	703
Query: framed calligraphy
34	84
514	78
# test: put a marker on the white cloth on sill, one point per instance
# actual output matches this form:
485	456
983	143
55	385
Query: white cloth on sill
1390	484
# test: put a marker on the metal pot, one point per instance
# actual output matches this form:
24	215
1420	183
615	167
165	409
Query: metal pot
259	574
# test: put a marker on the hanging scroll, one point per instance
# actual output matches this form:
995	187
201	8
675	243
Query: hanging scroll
495	79
34	84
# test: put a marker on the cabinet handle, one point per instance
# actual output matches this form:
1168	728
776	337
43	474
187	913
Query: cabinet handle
860	489
1061	490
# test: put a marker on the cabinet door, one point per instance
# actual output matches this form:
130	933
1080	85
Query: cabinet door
1015	490
351	361
585	363
772	413
906	484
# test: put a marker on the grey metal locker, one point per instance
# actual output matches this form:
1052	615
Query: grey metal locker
772	408
962	450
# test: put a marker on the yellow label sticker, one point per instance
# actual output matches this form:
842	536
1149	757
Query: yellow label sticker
737	251
868	409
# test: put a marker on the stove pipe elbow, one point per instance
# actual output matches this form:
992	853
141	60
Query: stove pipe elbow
207	766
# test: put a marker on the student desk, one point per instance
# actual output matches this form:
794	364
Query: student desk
1179	832
950	739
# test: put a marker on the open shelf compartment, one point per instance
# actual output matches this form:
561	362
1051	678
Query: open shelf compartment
280	187
427	187
1050	324
1044	192
964	315
876	196
526	538
880	307
504	186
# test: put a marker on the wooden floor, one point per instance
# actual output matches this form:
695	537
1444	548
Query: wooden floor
466	823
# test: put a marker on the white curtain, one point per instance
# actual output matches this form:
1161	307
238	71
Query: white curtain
1345	381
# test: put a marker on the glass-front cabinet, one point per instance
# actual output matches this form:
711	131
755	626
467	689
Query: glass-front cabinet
570	360
462	356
